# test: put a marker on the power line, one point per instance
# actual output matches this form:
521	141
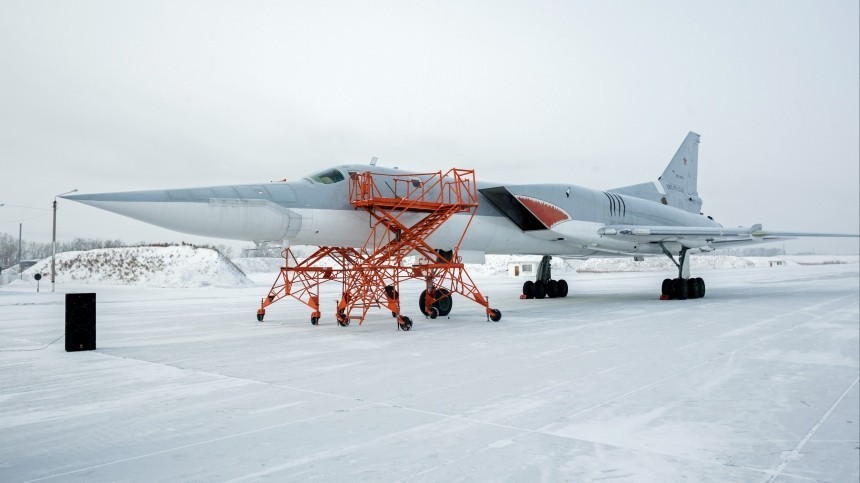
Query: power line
26	207
26	219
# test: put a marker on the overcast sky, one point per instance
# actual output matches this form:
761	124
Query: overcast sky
114	96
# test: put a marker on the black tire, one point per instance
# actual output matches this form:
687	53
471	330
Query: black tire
701	284
540	290
342	319
495	315
422	303
693	288
406	323
529	289
315	321
679	289
434	312
552	289
562	288
666	289
444	302
260	317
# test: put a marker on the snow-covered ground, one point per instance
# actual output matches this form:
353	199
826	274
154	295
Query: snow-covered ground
758	381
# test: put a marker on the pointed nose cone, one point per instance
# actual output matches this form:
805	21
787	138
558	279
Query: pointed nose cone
141	205
233	212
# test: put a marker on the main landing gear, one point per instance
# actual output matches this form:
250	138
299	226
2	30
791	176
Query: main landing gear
684	287
544	286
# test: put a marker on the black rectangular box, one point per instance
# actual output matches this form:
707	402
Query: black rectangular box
80	322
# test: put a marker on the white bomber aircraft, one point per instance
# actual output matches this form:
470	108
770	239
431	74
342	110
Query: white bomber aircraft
661	217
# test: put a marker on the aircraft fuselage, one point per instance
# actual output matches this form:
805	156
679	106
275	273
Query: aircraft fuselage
317	211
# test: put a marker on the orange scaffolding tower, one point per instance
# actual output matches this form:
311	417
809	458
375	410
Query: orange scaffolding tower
370	276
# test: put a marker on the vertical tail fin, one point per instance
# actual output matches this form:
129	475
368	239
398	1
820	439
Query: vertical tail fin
677	185
680	176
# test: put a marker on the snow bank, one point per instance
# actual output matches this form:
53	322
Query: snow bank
172	266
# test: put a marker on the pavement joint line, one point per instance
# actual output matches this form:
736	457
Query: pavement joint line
795	452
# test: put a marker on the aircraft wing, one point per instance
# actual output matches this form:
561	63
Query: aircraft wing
701	237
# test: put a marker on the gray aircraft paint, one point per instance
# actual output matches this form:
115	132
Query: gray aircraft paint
625	221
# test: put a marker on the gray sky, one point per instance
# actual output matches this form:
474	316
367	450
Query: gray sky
115	96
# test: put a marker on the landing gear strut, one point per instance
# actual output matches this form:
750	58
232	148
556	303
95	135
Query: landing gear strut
684	287
544	286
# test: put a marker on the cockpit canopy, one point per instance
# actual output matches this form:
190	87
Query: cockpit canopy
328	176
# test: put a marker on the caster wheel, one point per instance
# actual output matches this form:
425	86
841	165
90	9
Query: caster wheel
434	312
406	323
315	320
495	315
342	319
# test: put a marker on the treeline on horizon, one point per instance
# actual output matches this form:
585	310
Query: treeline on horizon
37	251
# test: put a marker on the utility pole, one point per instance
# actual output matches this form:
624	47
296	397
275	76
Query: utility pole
54	247
20	228
54	241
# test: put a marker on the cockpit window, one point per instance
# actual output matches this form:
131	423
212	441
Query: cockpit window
329	176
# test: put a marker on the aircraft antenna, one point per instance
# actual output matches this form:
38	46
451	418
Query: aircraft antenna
373	161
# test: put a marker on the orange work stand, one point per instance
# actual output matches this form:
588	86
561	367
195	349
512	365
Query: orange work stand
400	225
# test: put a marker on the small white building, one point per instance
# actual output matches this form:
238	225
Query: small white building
776	263
522	268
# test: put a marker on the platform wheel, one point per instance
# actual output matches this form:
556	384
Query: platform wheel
342	319
405	323
444	301
495	315
422	303
315	321
260	314
434	312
